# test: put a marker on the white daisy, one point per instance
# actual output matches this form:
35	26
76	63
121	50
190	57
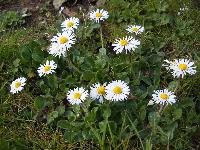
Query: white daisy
151	102
97	91
163	97
182	10
98	15
77	95
117	91
70	24
61	10
17	85
180	67
125	43
47	68
61	42
135	29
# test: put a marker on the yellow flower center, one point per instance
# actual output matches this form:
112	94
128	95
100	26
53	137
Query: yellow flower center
70	24
134	29
17	84
47	68
182	66
101	90
117	90
164	96
63	40
77	95
99	15
123	42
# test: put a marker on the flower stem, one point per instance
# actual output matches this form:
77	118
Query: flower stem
101	35
177	86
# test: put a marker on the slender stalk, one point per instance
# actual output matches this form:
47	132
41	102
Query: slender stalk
72	65
136	132
168	142
178	83
101	35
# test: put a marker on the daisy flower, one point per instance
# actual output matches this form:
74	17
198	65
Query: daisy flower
17	85
125	43
151	102
61	10
61	42
182	10
135	29
163	97
180	67
47	68
117	91
77	95
98	15
70	24
97	91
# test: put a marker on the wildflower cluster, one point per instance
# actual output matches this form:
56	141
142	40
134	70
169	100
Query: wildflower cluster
116	90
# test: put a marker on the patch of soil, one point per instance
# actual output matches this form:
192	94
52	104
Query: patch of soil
18	5
72	7
32	7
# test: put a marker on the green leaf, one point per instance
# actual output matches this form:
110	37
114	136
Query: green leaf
16	62
106	112
102	51
186	102
148	145
172	85
88	75
53	82
39	103
91	116
63	124
171	128
142	112
103	126
177	114
60	110
70	116
38	56
53	115
165	19
25	53
154	118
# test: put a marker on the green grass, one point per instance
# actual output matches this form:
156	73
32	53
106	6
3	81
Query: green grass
40	118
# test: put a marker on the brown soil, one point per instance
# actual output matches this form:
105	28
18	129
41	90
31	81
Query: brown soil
18	5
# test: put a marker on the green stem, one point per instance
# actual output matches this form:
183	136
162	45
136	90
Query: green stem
178	83
160	111
72	65
101	35
136	132
168	142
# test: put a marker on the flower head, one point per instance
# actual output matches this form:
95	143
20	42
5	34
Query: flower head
61	42
47	68
135	29
61	10
126	44
163	97
182	10
180	67
117	91
17	85
98	15
77	95
151	102
97	91
70	24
